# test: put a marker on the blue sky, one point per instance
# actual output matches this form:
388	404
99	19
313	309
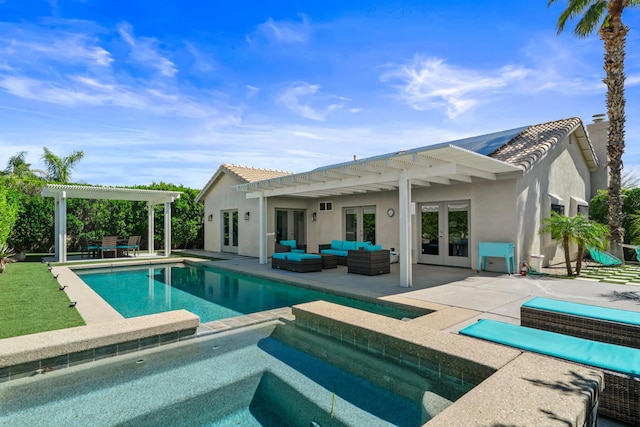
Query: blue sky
168	90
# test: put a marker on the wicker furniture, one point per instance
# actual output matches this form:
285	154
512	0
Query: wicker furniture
583	321
290	246
369	263
329	261
620	365
300	263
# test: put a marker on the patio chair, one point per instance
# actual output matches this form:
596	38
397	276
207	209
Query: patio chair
109	244
88	248
604	258
133	245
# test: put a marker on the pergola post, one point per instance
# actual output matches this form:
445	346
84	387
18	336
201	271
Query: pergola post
167	229
150	229
60	218
405	258
262	223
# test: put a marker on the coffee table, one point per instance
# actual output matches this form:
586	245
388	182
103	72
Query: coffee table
329	261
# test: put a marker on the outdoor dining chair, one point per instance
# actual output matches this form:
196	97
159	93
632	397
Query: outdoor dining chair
133	245
87	247
109	244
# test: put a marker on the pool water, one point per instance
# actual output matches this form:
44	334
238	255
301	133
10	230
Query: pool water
272	375
212	294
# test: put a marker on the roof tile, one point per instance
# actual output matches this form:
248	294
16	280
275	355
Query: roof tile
533	143
249	174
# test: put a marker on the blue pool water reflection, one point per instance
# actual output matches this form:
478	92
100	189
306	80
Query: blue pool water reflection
212	294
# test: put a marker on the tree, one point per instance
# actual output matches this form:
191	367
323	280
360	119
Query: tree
576	229
59	169
606	15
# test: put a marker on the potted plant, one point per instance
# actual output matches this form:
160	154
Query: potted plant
6	256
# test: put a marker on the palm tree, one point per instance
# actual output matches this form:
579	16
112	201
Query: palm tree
606	15
576	229
18	167
59	169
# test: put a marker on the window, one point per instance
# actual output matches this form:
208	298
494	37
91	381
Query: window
584	210
325	206
559	209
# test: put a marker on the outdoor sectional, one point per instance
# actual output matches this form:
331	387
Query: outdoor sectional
298	262
341	248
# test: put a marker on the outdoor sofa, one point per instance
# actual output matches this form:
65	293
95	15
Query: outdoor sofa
620	365
341	248
298	262
290	246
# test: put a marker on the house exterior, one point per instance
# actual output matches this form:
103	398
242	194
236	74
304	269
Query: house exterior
431	204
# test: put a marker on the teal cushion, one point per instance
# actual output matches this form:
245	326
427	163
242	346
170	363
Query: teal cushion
280	255
349	245
373	248
299	251
294	256
336	244
290	243
362	244
585	310
593	353
334	252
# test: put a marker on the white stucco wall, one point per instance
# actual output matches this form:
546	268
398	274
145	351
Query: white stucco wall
563	173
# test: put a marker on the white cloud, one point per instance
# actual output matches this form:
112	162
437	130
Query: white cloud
297	99
252	91
285	32
145	51
428	83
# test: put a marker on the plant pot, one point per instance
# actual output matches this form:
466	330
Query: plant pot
21	256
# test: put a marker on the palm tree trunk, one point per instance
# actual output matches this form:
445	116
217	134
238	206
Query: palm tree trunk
614	38
579	258
567	255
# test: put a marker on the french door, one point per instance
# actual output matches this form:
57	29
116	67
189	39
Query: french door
291	225
360	224
444	233
229	231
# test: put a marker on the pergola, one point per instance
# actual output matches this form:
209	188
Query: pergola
61	193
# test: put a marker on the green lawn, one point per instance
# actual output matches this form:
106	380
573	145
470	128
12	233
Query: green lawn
31	302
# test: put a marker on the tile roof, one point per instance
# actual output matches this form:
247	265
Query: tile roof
249	174
534	142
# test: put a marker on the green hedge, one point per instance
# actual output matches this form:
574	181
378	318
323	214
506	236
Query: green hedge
33	230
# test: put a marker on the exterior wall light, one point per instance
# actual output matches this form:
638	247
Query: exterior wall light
314	216
210	217
247	215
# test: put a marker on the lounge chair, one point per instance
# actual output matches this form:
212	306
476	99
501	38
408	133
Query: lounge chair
109	244
88	248
604	258
133	245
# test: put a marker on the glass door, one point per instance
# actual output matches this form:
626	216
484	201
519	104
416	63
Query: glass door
290	225
229	231
360	224
445	233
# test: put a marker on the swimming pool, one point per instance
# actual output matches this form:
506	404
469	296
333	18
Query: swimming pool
210	293
272	375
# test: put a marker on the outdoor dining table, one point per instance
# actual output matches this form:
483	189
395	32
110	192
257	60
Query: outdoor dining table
120	241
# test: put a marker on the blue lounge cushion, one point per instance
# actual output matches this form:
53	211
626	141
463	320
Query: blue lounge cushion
336	244
373	248
362	245
294	256
280	255
349	245
291	243
593	353
585	310
334	252
299	251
